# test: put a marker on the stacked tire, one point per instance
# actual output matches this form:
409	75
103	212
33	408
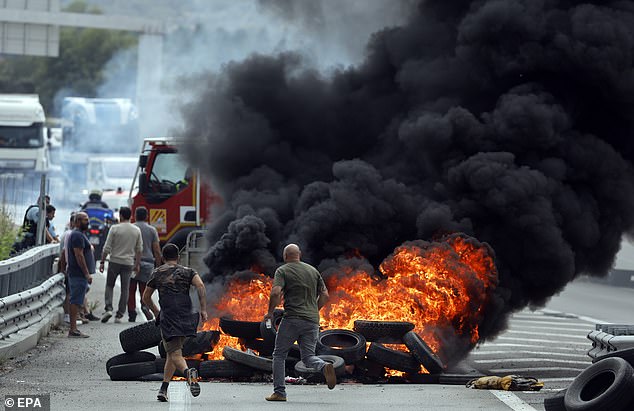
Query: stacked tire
608	384
136	364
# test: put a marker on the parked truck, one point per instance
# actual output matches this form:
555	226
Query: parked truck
23	136
100	125
177	199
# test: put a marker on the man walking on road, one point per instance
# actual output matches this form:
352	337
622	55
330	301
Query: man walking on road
150	258
124	245
304	294
81	264
175	318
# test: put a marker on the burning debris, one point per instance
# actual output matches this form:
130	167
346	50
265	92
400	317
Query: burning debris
508	121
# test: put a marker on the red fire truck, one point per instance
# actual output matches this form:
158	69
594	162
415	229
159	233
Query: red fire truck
177	200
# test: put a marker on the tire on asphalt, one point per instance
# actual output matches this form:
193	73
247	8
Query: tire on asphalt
605	385
346	344
266	350
224	369
159	365
157	376
131	371
555	402
242	329
127	358
251	360
202	342
383	331
337	362
393	359
627	354
421	351
140	337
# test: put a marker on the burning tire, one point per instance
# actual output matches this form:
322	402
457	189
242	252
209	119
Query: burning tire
605	385
242	329
131	371
393	359
383	331
346	344
421	351
127	358
140	337
224	369
251	360
337	362
159	365
555	402
201	343
627	355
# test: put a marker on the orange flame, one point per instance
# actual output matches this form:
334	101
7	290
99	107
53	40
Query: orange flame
441	287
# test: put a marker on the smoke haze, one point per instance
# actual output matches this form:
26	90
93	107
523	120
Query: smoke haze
510	121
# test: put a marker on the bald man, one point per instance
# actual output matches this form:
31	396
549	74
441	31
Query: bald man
304	294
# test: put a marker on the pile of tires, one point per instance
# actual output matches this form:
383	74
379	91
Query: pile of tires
608	384
136	364
410	351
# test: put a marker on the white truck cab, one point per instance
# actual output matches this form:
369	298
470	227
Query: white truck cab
23	137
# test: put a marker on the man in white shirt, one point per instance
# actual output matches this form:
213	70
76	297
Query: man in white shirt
124	245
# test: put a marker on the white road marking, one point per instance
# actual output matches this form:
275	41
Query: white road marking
543	341
534	369
179	397
518	321
496	345
532	360
545	353
550	328
560	337
512	401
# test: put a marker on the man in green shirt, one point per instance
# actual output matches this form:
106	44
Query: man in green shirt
304	294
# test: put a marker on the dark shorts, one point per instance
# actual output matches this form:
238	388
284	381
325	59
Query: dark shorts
78	289
174	344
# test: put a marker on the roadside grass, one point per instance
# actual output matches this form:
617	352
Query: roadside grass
8	232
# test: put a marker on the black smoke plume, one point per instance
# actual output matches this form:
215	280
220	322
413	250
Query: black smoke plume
509	120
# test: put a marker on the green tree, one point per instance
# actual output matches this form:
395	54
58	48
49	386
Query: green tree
79	69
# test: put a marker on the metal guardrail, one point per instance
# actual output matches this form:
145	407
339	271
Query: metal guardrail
21	310
607	338
27	269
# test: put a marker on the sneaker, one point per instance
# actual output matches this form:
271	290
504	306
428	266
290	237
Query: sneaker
275	397
67	318
147	313
132	316
118	320
77	334
162	396
192	381
329	373
106	316
90	316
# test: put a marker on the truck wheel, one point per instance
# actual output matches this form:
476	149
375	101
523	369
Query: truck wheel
555	402
421	351
337	362
131	371
251	360
140	337
127	358
393	359
605	385
224	369
346	344
242	329
390	332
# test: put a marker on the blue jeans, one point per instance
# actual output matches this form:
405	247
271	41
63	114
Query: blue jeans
291	330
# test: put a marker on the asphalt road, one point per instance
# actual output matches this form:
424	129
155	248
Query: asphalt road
73	372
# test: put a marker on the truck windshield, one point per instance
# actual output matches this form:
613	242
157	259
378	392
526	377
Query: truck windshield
168	167
21	137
